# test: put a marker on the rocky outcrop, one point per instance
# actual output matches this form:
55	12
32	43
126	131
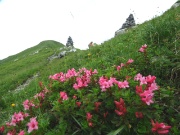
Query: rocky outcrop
177	4
130	22
63	52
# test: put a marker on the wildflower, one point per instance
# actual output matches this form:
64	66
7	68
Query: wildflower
139	115
13	105
32	125
88	116
130	61
120	107
97	104
124	84
139	89
63	95
1	129
21	132
89	54
27	104
138	77
118	68
78	104
160	128
143	48
147	96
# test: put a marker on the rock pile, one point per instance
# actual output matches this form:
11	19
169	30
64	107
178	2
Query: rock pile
130	22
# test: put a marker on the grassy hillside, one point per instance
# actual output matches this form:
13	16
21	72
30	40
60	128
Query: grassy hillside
162	59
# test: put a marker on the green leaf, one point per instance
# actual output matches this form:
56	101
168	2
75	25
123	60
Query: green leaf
115	132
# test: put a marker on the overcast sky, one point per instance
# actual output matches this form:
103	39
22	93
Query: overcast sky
25	23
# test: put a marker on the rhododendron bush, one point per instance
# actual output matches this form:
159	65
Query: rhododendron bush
87	102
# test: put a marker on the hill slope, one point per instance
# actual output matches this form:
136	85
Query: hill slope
161	34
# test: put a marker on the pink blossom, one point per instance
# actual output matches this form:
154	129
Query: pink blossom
78	104
160	128
27	104
143	48
97	104
120	107
88	116
153	87
139	89
138	77
139	115
147	96
1	129
143	81
130	61
21	132
63	95
95	71
150	79
124	84
32	125
118	68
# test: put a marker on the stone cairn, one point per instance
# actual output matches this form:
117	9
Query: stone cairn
129	22
69	42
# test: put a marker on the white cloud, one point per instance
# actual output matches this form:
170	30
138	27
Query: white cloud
25	23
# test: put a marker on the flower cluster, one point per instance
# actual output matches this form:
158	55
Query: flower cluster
89	119
82	77
17	118
120	107
160	128
27	104
106	84
150	86
143	48
32	125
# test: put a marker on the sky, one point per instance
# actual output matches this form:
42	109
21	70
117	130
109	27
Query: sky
25	23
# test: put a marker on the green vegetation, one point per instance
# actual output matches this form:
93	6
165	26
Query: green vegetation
161	34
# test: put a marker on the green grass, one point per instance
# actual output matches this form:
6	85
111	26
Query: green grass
161	34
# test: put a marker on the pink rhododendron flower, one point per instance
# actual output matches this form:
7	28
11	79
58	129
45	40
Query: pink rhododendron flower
118	68
138	77
130	61
147	96
143	81
97	104
124	84
32	125
139	89
27	104
88	116
143	48
1	129
153	87
139	115
120	107
78	104
16	118
63	95
21	132
74	97
160	128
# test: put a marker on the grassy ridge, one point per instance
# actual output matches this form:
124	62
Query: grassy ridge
161	34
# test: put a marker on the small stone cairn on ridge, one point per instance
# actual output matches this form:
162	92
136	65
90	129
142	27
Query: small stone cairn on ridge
69	42
130	22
